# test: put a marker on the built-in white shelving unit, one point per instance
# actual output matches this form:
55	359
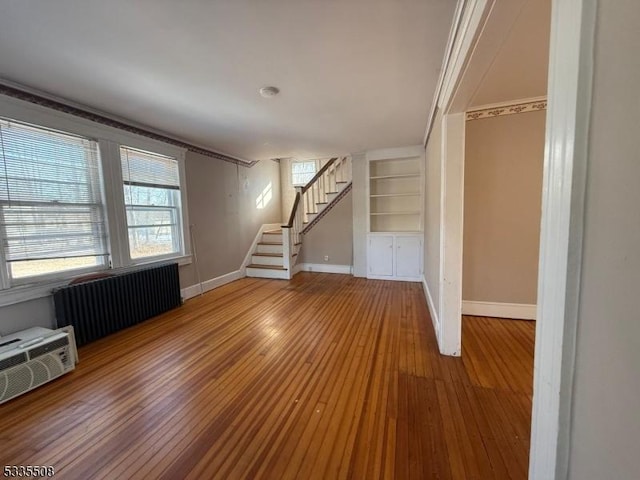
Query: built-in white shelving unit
395	206
395	194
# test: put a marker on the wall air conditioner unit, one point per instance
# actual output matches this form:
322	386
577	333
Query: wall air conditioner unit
34	357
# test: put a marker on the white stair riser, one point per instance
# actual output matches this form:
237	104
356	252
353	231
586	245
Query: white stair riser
270	237
269	249
260	260
265	273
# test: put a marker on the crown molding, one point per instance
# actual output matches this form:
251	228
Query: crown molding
507	108
27	94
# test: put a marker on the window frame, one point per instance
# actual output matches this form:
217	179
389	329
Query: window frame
291	174
109	140
179	212
7	281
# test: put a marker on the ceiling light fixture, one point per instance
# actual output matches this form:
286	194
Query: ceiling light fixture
268	92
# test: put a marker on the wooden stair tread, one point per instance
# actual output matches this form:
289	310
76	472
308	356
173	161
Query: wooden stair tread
273	232
269	243
266	267
267	254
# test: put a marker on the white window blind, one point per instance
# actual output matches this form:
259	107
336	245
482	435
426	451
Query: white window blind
302	172
51	211
152	200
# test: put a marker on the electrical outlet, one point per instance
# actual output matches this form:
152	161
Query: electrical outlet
326	258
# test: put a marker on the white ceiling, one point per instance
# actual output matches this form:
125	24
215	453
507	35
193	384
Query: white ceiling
519	69
354	75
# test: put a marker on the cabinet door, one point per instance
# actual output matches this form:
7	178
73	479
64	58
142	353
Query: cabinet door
380	255
408	256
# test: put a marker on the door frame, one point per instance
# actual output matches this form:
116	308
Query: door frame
564	180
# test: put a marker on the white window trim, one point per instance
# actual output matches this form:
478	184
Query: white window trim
23	293
315	162
109	140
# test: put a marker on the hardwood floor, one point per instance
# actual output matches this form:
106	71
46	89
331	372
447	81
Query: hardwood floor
326	376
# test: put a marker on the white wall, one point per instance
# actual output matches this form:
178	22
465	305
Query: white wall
432	214
32	313
605	423
359	200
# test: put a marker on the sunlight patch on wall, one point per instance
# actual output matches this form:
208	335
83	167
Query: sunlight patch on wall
265	197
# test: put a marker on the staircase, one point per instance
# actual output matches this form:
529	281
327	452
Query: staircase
267	258
276	253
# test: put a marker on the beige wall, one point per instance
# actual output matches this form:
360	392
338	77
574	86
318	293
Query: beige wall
222	207
605	423
432	205
502	194
331	236
287	190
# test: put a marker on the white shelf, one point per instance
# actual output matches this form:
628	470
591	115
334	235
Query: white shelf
413	194
396	232
404	175
395	213
395	194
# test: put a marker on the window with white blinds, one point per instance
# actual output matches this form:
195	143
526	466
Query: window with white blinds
51	210
152	201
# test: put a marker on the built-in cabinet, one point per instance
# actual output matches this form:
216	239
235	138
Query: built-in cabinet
395	206
394	256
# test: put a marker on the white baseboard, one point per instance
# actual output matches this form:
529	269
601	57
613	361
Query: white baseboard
194	290
518	311
325	268
190	292
432	309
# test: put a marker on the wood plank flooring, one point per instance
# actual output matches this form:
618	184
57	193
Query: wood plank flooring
325	376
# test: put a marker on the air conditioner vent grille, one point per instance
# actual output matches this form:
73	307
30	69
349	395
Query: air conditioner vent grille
48	347
12	361
39	373
54	366
19	380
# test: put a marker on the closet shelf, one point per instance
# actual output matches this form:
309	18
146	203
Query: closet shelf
403	175
410	194
395	213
